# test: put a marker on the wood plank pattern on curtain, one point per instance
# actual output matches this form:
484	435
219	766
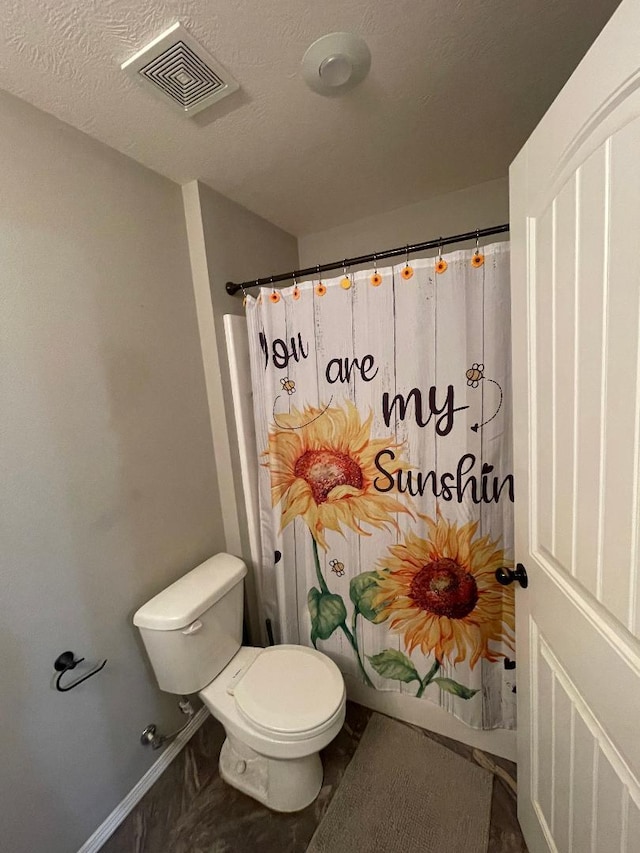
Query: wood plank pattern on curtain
383	416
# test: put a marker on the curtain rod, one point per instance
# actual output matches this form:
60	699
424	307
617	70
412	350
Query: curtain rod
233	288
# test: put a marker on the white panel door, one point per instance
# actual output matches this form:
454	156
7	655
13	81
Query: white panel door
575	215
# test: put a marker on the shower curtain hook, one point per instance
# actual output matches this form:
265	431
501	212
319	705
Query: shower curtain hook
244	296
375	278
345	281
441	264
320	288
296	290
274	296
478	258
407	271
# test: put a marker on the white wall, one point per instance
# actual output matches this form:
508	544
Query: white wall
108	477
479	206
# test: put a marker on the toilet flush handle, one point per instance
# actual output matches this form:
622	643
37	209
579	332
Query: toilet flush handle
193	628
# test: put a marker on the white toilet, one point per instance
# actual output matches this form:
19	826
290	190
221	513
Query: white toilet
279	706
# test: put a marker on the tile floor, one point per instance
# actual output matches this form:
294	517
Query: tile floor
191	810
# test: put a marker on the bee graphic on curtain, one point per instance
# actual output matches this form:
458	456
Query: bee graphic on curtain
288	385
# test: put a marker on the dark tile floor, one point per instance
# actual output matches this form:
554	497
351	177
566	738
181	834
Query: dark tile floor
191	810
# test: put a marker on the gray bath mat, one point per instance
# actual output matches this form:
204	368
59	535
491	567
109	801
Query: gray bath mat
404	793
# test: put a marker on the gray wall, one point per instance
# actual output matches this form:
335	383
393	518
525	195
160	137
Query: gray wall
239	246
108	478
480	206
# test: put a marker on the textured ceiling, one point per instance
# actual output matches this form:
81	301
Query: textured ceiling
454	90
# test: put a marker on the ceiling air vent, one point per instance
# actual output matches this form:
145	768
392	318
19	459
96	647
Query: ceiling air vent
181	71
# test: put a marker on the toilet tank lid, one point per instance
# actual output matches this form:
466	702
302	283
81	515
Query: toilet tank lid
186	599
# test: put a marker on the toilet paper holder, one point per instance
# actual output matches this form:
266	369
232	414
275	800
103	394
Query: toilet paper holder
66	661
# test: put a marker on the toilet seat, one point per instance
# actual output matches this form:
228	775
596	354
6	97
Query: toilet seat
291	692
222	704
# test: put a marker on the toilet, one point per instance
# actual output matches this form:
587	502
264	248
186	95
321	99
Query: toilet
279	706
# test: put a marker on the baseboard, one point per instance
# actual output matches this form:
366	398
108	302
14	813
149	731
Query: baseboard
113	821
425	714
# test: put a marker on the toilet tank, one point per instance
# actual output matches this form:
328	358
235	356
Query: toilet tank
193	628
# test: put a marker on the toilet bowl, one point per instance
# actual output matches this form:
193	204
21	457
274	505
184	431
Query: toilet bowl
279	706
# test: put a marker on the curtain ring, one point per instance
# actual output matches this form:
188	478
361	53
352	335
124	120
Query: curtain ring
375	278
274	296
441	264
320	287
295	293
407	270
477	258
345	281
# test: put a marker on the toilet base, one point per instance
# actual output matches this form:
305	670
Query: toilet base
284	785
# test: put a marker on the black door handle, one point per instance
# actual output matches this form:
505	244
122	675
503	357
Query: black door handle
507	576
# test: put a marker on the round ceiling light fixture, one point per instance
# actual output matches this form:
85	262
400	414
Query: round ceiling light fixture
336	63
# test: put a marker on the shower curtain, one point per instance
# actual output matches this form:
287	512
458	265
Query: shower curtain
383	421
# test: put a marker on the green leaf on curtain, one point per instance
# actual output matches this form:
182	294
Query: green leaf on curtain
393	664
362	590
450	686
327	613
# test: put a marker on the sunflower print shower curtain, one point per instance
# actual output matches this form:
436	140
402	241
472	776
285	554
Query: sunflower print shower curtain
382	405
